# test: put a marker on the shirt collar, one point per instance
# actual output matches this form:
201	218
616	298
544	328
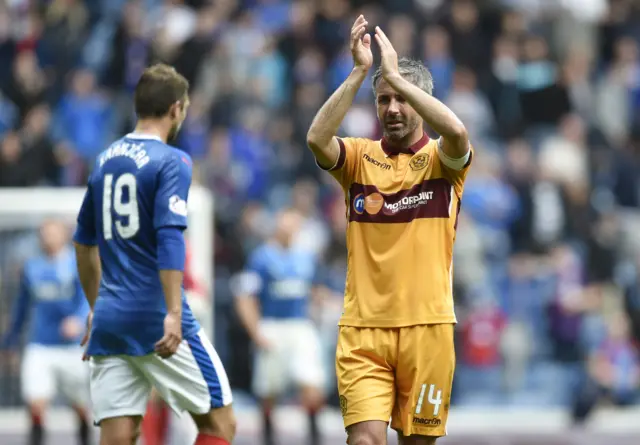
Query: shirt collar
142	136
389	150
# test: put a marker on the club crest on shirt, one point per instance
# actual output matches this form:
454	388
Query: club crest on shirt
419	161
343	405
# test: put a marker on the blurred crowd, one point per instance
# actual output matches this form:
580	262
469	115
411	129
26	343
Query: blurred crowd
547	257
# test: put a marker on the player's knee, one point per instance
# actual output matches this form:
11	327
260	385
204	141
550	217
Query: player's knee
366	437
366	440
311	398
37	409
120	431
417	440
121	437
219	422
229	429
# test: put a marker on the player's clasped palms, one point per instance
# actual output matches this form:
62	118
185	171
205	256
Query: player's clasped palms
361	44
169	343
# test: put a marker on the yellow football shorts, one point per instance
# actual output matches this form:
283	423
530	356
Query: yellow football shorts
402	374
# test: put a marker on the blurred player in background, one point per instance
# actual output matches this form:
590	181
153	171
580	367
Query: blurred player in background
395	357
131	254
272	300
51	291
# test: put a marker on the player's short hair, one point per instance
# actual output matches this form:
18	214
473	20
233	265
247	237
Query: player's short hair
411	69
159	87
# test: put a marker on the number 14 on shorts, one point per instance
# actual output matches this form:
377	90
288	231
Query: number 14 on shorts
434	397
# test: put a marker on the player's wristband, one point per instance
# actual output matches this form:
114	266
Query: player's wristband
171	248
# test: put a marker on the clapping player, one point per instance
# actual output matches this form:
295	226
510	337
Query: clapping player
50	292
131	251
395	356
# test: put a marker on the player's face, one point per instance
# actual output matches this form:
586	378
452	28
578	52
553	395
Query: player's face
288	225
53	236
396	116
178	115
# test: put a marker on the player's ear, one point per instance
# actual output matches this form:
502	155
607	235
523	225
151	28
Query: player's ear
175	110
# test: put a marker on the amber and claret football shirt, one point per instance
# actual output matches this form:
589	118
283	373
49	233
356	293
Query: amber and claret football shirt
402	211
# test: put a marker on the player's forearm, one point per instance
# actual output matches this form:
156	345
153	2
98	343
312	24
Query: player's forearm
327	121
436	114
171	259
89	271
249	314
172	286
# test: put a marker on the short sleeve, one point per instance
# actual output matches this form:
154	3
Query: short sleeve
174	181
86	229
250	280
457	177
346	166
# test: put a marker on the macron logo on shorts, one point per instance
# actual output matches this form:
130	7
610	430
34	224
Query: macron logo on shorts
178	206
427	422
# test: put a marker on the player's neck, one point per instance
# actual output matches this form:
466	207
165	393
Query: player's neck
53	254
413	138
281	243
151	128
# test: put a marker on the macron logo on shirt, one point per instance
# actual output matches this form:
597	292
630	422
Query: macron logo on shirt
178	206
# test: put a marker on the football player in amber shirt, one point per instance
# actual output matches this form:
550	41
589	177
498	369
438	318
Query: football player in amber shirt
395	357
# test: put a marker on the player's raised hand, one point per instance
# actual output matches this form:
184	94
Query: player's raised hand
87	334
388	55
169	343
360	44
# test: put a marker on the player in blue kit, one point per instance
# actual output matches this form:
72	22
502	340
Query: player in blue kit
51	294
272	299
131	252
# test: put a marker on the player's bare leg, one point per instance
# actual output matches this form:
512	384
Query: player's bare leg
36	412
312	400
217	427
120	430
416	440
371	432
267	405
84	430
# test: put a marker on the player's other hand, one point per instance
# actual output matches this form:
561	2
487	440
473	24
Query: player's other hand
87	334
388	56
360	44
71	327
263	343
169	343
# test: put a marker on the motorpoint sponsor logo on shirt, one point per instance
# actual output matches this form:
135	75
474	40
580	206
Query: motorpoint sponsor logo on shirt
375	202
407	202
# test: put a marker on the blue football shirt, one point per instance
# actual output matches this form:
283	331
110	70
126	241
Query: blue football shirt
138	185
50	292
281	279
